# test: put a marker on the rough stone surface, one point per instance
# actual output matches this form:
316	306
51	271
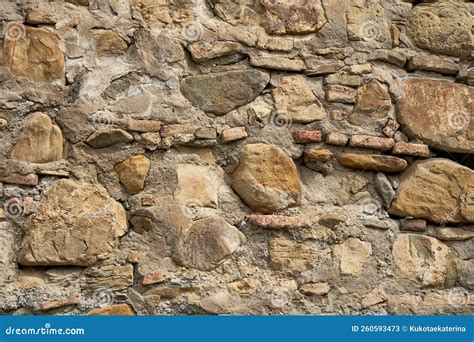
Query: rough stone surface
373	104
40	142
289	255
208	243
266	179
372	162
220	93
423	259
352	255
76	224
294	97
133	172
206	120
438	190
33	53
443	27
439	113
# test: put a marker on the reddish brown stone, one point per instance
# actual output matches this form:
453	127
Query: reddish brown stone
153	278
409	149
133	257
277	221
368	141
416	225
307	136
15	178
439	113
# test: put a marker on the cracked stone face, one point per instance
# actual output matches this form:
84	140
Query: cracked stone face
76	224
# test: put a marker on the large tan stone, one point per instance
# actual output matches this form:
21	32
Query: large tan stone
40	142
76	224
438	190
367	21
219	93
443	27
208	243
352	255
293	97
423	259
438	112
267	179
133	172
33	53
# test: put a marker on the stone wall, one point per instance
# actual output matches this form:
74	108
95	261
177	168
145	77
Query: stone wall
243	157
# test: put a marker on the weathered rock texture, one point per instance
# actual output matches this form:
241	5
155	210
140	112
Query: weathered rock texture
75	224
236	157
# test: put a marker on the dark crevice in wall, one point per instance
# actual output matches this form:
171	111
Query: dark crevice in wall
466	159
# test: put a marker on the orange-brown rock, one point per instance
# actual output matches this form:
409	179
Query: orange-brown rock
267	179
372	162
40	142
133	172
33	53
438	190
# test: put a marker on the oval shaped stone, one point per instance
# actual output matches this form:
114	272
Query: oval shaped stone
267	179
